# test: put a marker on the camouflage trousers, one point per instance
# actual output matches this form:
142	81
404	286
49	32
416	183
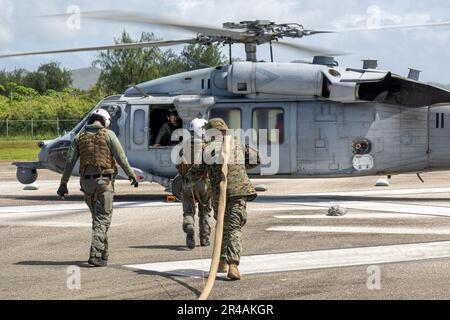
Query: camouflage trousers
99	196
200	195
235	219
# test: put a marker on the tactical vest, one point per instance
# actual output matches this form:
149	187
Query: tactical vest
94	151
186	164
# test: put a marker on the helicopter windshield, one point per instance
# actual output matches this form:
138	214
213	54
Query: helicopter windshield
114	111
82	123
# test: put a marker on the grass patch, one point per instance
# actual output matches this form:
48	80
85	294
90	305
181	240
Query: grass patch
25	138
19	150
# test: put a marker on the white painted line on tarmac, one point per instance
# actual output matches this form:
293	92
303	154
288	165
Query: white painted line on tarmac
353	216
286	208
364	230
297	261
379	206
50	224
387	192
80	207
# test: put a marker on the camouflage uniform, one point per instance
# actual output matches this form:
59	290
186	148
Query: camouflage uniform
191	193
239	191
97	148
164	137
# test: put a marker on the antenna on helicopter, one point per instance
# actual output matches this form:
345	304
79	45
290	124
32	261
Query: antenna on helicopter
144	94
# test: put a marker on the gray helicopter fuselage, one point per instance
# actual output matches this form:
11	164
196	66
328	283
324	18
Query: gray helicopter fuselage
332	121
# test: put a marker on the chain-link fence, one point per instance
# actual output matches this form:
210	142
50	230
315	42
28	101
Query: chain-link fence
34	129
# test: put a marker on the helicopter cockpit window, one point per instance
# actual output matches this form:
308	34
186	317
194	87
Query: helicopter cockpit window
115	112
81	124
232	117
270	120
163	121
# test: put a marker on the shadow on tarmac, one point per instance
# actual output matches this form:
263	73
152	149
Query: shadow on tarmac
81	264
261	198
162	247
312	199
169	277
78	198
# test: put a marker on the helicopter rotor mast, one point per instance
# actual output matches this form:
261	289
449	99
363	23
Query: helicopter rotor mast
259	32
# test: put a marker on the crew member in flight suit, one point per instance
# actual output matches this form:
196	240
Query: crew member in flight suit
98	149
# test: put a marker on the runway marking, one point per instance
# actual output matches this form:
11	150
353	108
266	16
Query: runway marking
378	206
297	261
79	207
286	208
388	192
364	230
31	216
50	224
353	216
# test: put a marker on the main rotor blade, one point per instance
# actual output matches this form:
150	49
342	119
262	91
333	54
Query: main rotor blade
136	18
388	27
314	32
310	50
135	45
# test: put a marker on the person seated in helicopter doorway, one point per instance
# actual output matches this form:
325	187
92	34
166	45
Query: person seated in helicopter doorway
164	137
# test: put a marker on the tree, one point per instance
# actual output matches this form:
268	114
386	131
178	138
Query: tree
196	56
48	76
6	78
124	67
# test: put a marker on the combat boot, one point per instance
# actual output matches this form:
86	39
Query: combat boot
223	266
190	237
204	242
97	262
233	272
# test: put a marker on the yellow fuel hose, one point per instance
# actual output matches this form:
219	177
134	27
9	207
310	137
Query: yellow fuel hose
219	223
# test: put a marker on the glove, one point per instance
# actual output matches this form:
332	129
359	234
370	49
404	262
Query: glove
133	181
62	190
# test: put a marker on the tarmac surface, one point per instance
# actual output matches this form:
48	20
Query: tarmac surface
394	242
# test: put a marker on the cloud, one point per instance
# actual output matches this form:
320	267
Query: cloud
396	50
375	17
6	14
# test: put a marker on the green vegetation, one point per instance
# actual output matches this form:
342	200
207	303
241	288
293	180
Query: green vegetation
18	150
45	94
122	68
25	104
48	76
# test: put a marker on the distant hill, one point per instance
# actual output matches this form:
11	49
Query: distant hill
85	78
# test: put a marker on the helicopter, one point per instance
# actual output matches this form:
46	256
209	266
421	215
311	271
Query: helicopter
331	121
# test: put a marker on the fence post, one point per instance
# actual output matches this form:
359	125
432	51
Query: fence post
32	129
57	126
7	129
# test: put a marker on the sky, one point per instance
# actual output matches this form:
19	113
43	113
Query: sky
23	29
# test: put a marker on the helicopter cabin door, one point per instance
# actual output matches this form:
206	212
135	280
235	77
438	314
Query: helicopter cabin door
274	139
139	128
273	133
